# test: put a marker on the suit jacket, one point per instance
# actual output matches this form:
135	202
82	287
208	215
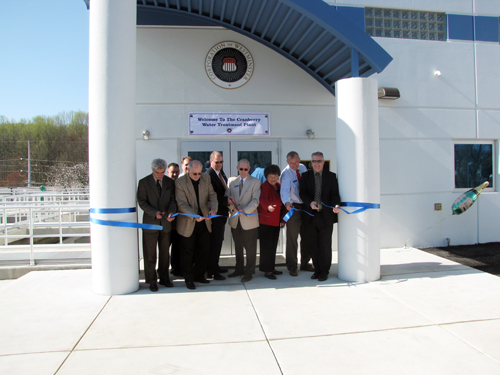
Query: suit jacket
248	201
150	201
220	190
329	195
187	204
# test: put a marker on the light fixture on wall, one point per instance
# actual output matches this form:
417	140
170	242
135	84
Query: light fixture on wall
437	73
388	93
310	134
145	135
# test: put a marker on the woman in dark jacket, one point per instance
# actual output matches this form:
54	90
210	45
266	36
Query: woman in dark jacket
270	221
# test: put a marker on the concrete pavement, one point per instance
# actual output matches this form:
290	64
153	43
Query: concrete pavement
427	315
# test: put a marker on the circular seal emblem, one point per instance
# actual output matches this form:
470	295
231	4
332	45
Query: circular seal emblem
229	65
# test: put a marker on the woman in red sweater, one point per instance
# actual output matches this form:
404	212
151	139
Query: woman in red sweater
270	221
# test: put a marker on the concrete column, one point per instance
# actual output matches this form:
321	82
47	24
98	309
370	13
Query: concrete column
115	264
358	166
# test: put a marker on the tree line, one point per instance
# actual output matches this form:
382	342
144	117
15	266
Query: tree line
57	146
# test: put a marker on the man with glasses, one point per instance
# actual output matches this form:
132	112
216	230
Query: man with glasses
319	188
175	255
156	197
290	178
195	196
219	184
243	197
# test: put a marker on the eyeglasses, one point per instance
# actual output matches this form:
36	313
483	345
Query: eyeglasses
219	162
317	161
243	169
196	174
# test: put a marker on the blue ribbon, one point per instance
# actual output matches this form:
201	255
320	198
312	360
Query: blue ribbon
123	224
290	213
362	206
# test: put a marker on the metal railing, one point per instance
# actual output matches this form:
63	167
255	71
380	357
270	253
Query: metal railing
29	220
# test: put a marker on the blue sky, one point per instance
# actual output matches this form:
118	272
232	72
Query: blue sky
44	57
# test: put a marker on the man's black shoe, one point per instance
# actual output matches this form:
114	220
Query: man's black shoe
234	274
276	272
246	278
308	267
153	287
322	277
314	276
270	275
218	276
166	283
190	285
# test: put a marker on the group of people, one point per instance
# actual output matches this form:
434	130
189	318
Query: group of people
194	207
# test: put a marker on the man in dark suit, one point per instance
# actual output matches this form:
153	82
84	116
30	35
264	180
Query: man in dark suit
317	187
156	197
219	184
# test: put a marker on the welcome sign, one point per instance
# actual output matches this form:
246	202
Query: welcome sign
236	124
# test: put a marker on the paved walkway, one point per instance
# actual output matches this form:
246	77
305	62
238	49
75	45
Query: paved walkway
427	315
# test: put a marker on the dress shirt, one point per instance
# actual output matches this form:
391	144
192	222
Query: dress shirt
290	184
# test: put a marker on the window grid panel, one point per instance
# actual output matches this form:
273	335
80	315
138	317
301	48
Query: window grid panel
407	24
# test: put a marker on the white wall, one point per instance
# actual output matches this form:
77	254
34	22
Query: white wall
172	82
416	131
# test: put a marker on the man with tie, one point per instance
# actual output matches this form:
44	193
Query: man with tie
156	197
175	255
195	197
290	178
243	196
318	187
219	184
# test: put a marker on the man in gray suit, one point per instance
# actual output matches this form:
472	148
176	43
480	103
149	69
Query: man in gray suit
243	197
195	196
156	197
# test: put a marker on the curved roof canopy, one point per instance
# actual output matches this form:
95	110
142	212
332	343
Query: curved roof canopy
310	33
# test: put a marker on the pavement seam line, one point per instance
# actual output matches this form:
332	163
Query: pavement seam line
262	328
81	337
443	327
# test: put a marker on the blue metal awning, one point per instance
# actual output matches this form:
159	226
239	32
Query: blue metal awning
310	33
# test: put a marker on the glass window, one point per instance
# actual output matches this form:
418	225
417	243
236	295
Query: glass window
387	23
473	164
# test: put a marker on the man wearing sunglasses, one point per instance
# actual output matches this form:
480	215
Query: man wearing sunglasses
318	187
219	184
243	197
195	196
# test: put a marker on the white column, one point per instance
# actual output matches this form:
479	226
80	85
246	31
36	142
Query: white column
358	166
115	264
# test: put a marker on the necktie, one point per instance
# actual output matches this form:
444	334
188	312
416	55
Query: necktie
158	186
298	174
241	185
317	189
222	180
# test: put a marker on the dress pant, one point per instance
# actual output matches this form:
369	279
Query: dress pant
293	228
245	239
175	255
319	237
195	250
150	238
268	236
216	240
